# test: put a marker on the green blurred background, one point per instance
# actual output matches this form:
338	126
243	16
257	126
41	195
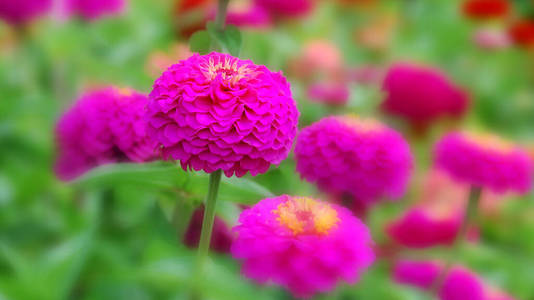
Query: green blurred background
110	235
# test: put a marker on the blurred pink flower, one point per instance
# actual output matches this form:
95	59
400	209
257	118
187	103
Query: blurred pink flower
293	8
318	57
221	237
329	93
302	244
159	61
245	14
491	39
459	284
18	12
421	94
485	161
104	126
361	158
93	9
365	74
217	112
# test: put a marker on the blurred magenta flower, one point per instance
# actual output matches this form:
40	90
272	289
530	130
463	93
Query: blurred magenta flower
459	284
18	12
521	32
221	237
293	8
491	38
349	156
302	244
93	9
216	112
484	161
103	126
486	9
330	93
421	95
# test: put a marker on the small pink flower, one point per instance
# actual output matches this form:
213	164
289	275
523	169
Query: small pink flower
93	9
293	8
361	158
104	126
491	39
245	14
17	12
459	284
485	161
221	237
318	57
217	112
329	93
302	244
421	95
365	75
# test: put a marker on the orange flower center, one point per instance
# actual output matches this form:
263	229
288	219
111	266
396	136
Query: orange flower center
303	215
227	69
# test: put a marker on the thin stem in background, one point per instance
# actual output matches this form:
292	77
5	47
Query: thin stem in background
220	19
470	213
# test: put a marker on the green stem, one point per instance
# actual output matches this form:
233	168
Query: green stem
470	213
207	224
220	19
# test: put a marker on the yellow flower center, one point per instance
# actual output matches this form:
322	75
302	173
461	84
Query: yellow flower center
228	69
124	91
303	215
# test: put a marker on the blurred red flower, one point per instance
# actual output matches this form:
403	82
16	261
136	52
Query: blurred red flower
522	32
486	9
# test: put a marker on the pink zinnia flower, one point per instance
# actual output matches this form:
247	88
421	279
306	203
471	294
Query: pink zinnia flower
93	9
302	244
293	8
17	12
459	284
357	157
221	237
485	161
421	94
104	126
216	112
329	93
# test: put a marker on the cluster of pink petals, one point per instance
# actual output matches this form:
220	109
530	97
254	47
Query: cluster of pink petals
349	156
221	236
293	8
305	263
17	12
459	284
484	162
421	94
329	93
93	9
104	126
217	112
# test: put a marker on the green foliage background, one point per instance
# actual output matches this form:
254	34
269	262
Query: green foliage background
110	235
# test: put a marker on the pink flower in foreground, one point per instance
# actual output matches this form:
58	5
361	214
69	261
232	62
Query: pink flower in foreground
217	112
293	8
93	9
17	12
302	244
329	93
421	94
221	237
485	161
361	158
104	126
459	284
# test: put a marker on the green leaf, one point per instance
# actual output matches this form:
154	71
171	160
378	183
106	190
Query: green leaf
229	39
200	42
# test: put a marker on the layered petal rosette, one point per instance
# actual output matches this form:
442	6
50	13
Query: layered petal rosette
104	126
217	112
362	158
93	9
459	284
17	12
302	244
484	161
421	95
